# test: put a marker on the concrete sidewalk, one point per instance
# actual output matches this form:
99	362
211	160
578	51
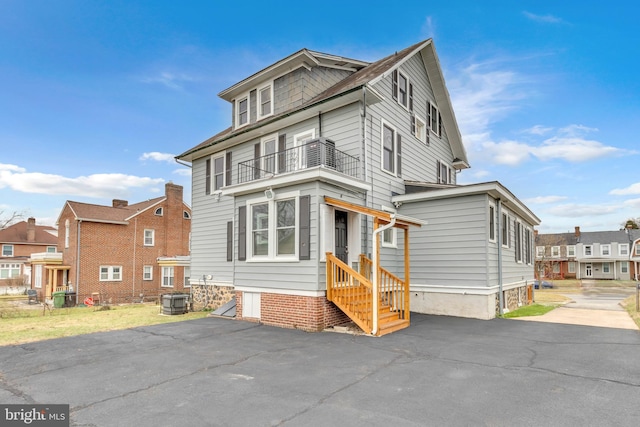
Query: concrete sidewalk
586	317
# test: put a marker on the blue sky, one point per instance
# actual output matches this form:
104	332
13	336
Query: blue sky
96	97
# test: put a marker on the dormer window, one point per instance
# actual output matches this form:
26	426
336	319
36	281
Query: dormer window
264	101
243	111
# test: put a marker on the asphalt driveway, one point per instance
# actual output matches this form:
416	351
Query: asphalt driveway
440	371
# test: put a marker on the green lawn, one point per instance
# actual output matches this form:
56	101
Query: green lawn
27	324
534	309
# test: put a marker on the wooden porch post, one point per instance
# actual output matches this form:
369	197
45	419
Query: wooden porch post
407	279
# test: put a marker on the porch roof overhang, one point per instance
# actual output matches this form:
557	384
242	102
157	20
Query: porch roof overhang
57	267
176	261
402	221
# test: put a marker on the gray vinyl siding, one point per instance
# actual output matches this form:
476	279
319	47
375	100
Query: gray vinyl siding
452	248
292	275
208	230
418	159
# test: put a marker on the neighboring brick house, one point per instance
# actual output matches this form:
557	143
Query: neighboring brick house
19	241
124	252
556	255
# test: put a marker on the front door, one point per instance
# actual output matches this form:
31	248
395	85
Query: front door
341	250
588	270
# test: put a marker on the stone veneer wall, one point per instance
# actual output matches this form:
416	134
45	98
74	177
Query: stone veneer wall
210	296
515	298
311	314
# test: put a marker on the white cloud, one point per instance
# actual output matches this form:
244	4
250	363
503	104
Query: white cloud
547	19
96	185
183	172
11	168
543	200
510	153
633	203
573	149
538	130
158	157
428	28
573	210
632	189
168	79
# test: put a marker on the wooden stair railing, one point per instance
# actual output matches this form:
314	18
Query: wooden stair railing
393	290
352	292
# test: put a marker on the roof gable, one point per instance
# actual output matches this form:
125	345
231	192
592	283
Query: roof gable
109	214
364	77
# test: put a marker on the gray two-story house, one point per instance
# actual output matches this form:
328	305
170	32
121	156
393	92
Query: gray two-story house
333	196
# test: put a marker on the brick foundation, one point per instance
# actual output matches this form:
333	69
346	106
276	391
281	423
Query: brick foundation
310	314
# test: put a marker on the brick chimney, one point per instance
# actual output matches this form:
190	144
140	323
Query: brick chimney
577	231
173	192
31	229
117	203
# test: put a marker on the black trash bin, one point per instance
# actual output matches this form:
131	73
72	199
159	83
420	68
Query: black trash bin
174	303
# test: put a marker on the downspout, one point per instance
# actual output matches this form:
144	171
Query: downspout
364	162
374	273
499	222
78	262
133	272
319	124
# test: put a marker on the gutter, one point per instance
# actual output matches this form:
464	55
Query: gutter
374	273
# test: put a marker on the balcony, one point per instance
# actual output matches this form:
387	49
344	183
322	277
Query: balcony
318	153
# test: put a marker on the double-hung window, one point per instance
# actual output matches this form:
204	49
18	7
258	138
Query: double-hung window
265	106
555	251
540	251
149	237
391	150
400	88
605	250
571	251
7	250
147	272
445	173
492	223
167	277
218	172
110	273
273	230
242	111
623	249
588	250
434	119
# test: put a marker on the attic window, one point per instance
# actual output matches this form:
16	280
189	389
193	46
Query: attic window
434	119
400	88
158	212
186	215
264	101
243	111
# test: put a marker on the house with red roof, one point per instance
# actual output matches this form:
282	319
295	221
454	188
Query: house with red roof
19	241
123	252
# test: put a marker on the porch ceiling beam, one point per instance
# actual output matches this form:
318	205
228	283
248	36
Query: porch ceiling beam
401	220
